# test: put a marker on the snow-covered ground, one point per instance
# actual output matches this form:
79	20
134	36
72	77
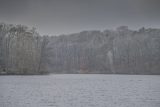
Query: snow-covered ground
80	90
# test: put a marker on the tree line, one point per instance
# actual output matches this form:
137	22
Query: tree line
21	50
120	51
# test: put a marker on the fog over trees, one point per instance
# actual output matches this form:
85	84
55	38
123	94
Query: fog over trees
120	51
21	50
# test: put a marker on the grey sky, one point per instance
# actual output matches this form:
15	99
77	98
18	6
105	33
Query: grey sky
68	16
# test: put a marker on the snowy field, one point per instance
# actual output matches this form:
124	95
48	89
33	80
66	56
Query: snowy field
80	90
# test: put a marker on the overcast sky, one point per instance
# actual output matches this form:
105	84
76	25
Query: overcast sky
69	16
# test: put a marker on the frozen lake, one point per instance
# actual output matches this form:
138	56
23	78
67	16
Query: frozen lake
80	90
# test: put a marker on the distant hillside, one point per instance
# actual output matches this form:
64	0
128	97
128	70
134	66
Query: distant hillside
120	51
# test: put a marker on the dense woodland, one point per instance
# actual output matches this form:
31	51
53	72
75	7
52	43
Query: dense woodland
22	50
120	51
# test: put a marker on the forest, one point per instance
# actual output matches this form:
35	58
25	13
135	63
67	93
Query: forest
22	50
122	51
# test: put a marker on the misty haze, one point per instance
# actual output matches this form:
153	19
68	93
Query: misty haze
79	53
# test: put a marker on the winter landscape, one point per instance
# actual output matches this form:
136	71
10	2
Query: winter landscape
79	53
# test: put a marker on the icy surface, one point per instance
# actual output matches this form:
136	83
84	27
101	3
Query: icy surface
80	90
